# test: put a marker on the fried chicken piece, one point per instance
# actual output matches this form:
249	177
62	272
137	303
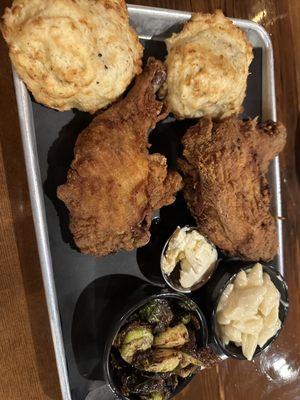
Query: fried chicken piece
114	185
225	185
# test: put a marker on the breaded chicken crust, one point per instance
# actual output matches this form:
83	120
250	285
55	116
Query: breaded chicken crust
207	64
225	186
72	54
114	185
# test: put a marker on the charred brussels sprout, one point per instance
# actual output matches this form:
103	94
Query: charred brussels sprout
135	338
187	305
189	364
187	371
157	312
172	337
185	318
187	359
191	346
157	349
160	360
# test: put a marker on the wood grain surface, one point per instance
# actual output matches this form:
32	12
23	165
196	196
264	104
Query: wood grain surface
27	362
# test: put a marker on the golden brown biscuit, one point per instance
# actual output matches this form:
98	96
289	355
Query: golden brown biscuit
73	53
207	67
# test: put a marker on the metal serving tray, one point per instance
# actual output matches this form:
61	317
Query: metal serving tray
70	278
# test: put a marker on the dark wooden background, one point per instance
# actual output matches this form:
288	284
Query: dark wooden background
26	355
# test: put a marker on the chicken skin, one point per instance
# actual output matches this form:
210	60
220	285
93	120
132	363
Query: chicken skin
114	185
226	190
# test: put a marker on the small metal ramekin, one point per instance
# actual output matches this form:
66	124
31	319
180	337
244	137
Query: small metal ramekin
174	283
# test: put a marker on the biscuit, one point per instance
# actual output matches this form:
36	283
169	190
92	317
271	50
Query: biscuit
207	66
73	53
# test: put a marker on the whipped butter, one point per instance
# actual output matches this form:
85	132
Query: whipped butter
192	252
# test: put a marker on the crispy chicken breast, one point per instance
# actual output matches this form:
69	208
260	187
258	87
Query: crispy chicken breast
114	185
226	188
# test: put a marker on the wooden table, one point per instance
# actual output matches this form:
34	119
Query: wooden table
27	362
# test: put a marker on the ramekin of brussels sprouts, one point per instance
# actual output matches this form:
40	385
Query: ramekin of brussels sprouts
159	347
